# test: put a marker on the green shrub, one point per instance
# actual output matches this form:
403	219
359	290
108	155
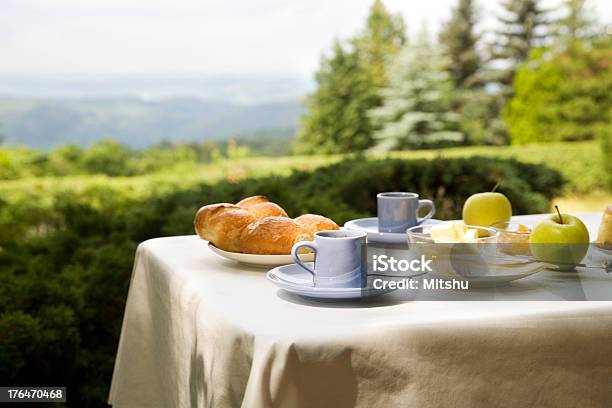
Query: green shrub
107	157
562	95
606	148
64	274
348	189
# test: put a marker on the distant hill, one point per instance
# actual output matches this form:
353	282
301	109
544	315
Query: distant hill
136	122
251	89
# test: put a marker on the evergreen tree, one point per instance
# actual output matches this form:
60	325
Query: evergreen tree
348	85
459	40
336	119
384	35
524	25
577	23
416	110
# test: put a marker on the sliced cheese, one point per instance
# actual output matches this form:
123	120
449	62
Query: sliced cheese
443	233
453	232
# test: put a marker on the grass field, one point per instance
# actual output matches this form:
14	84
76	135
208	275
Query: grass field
581	163
596	201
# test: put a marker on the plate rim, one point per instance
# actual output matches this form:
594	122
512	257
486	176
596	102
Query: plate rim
598	247
258	259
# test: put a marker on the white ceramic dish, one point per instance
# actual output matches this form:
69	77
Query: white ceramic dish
601	249
259	261
598	256
370	227
296	280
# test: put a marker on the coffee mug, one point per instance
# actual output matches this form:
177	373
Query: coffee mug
398	211
338	258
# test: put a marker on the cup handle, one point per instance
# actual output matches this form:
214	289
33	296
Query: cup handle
432	210
294	254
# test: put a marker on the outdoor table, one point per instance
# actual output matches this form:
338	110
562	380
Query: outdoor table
202	331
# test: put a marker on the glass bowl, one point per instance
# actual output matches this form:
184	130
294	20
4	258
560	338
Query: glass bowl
513	238
421	235
463	259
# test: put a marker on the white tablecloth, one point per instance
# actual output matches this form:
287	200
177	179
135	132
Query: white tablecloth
201	331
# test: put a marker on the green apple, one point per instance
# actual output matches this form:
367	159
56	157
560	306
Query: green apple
485	209
560	239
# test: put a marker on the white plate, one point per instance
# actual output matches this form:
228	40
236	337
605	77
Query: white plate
598	256
260	261
601	249
370	226
294	279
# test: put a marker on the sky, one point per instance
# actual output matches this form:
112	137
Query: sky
193	37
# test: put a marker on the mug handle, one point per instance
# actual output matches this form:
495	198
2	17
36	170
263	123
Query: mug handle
294	254
432	209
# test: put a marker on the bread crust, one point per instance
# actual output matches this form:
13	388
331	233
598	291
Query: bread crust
251	201
267	209
272	236
261	207
604	235
313	223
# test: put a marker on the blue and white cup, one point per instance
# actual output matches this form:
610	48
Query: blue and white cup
339	258
397	211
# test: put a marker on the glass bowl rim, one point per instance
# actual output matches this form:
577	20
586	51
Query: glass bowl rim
492	231
505	231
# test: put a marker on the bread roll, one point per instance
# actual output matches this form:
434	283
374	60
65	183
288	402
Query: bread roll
313	223
604	235
272	236
255	225
261	207
251	201
264	210
222	224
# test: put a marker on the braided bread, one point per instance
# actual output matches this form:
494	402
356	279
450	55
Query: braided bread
256	225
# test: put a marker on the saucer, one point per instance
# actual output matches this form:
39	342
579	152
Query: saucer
296	280
370	226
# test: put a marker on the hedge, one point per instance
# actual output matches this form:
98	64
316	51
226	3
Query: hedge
64	273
